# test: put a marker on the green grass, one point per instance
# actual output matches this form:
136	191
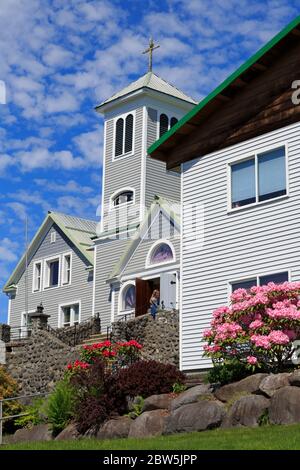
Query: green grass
263	438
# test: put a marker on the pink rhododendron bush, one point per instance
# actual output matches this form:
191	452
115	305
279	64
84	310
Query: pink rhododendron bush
258	328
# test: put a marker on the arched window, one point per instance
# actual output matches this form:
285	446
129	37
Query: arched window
124	137
122	197
127	297
173	121
161	252
163	124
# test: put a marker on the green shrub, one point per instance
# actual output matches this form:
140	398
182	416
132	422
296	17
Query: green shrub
227	372
8	389
178	388
60	406
36	414
137	407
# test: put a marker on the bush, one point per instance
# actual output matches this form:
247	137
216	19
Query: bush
60	406
147	378
8	389
227	372
259	327
98	396
36	414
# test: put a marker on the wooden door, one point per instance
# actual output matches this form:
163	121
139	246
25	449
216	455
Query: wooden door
143	293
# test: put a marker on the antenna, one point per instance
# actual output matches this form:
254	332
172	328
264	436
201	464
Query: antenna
26	268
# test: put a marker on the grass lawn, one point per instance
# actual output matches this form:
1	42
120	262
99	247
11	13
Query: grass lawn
263	438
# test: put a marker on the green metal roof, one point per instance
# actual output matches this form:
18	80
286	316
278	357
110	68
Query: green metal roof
152	81
197	109
79	231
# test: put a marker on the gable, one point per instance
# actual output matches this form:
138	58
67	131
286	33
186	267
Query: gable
252	101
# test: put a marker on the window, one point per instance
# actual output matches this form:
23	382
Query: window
259	178
122	197
165	123
53	237
37	276
69	315
128	298
162	252
66	269
52	273
277	278
124	135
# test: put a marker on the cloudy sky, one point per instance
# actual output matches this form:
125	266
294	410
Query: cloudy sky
60	58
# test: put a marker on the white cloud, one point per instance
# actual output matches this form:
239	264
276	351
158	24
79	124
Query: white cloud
70	186
18	208
5	162
55	55
89	145
8	250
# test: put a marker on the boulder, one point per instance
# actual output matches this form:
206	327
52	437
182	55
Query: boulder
68	434
115	428
294	378
248	385
150	423
274	382
246	411
192	395
285	406
157	402
205	414
40	432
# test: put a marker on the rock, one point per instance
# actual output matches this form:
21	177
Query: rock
192	395
40	432
248	385
195	417
273	382
285	406
246	411
115	428
157	402
150	423
294	379
68	434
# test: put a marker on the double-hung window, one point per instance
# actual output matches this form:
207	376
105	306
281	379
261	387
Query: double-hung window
259	178
277	278
52	267
69	315
66	269
37	276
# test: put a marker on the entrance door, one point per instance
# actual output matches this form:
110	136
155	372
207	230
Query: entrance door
168	283
143	293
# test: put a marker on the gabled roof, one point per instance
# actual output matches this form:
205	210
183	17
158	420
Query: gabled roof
258	63
152	81
169	207
79	231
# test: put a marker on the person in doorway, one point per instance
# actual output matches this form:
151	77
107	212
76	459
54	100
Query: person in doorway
154	303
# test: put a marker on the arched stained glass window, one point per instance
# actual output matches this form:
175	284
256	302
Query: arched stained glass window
163	124
161	254
129	298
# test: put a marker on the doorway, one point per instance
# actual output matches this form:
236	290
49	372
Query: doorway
166	284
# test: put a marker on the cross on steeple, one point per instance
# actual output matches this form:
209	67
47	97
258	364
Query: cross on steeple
149	51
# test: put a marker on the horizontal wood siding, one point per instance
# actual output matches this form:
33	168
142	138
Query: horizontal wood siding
159	181
252	241
80	289
108	255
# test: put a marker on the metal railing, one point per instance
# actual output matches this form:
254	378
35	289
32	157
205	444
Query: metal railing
19	333
8	417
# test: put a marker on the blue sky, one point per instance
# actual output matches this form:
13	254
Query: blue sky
60	58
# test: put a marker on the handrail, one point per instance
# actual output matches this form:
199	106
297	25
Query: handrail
3	418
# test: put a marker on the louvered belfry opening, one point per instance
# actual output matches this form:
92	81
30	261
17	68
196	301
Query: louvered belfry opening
119	136
163	124
129	133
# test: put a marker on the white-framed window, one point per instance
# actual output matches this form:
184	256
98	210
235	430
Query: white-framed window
161	252
52	272
52	237
121	197
165	123
258	178
69	314
66	268
259	280
127	297
37	276
124	135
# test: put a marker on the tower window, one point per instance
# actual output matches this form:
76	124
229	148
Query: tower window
122	198
165	123
124	135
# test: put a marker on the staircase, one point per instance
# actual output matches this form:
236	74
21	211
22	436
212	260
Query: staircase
195	378
98	338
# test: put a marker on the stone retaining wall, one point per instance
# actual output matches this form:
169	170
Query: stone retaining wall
160	337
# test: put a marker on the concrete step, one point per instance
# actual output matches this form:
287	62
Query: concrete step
194	379
99	338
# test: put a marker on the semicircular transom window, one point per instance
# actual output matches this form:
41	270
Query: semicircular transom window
123	198
161	254
129	298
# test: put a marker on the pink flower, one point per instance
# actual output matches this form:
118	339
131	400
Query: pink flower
256	324
261	341
278	337
252	360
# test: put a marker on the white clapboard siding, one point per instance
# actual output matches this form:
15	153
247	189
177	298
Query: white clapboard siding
80	289
238	244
